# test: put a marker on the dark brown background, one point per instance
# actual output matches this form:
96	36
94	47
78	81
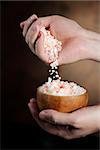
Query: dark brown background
22	72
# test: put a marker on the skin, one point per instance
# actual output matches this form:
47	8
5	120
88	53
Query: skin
84	121
77	44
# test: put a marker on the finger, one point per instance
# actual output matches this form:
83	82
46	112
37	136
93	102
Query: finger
28	23
32	100
56	117
22	24
40	50
31	37
33	107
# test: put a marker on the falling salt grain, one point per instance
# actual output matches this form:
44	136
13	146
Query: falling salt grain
52	47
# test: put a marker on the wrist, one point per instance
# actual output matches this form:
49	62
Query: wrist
91	45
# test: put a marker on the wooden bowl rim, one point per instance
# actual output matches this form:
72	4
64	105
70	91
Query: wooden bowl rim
62	95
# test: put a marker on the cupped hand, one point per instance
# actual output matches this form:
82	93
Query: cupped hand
69	32
73	125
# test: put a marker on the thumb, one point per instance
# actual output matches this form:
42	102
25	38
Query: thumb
56	117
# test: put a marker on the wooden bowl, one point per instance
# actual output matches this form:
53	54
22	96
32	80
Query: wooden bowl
61	103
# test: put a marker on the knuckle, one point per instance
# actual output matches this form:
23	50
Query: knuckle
28	21
34	15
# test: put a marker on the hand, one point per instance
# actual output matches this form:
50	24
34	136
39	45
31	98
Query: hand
67	125
77	43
